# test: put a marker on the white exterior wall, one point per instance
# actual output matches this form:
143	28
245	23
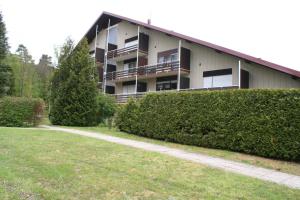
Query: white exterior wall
151	85
101	40
206	59
125	31
159	42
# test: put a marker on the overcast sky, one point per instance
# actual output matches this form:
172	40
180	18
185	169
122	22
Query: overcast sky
269	29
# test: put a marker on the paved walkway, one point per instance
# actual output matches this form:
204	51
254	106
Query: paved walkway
289	180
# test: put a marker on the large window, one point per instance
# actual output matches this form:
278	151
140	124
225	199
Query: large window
130	65
166	83
131	43
112	37
217	78
168	58
128	89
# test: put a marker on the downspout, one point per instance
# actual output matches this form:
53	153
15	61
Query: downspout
239	74
137	60
179	65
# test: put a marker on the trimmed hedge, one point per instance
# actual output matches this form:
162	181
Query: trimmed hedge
20	111
260	122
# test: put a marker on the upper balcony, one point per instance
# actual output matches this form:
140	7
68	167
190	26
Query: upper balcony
132	46
168	65
148	71
125	53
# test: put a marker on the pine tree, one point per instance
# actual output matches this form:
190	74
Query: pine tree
73	98
6	73
3	39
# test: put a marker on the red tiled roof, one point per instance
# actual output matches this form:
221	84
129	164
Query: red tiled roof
106	15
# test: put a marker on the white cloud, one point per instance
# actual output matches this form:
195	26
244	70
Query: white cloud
268	29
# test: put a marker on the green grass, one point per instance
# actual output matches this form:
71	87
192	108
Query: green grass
41	164
283	166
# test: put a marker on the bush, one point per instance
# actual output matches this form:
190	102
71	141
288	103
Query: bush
260	122
20	112
106	107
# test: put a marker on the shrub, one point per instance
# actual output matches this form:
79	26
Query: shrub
20	111
127	116
260	122
106	107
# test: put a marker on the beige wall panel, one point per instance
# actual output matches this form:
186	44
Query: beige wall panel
263	77
125	31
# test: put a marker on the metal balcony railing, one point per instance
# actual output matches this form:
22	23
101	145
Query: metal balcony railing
145	70
123	51
123	98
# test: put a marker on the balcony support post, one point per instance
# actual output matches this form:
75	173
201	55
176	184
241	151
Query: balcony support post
137	59
106	50
179	65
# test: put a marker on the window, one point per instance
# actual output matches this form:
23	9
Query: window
161	59
112	37
130	65
217	78
174	57
131	43
168	58
128	89
166	83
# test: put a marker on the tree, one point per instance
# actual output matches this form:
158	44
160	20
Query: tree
73	98
26	73
44	71
3	39
6	73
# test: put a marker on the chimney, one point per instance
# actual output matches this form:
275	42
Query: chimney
149	21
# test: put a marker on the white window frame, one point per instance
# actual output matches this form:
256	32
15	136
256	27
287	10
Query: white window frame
128	89
212	81
131	43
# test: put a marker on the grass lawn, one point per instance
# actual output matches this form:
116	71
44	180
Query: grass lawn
41	164
283	166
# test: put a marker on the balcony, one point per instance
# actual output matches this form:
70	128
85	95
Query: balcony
125	53
148	71
123	98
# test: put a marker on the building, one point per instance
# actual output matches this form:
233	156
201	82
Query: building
135	57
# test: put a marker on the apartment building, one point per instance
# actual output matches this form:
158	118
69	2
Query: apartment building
134	58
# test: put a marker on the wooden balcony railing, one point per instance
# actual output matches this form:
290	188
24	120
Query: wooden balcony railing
145	70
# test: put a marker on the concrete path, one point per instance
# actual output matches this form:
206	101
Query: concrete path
289	180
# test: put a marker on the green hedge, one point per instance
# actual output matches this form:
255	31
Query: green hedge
260	122
20	112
